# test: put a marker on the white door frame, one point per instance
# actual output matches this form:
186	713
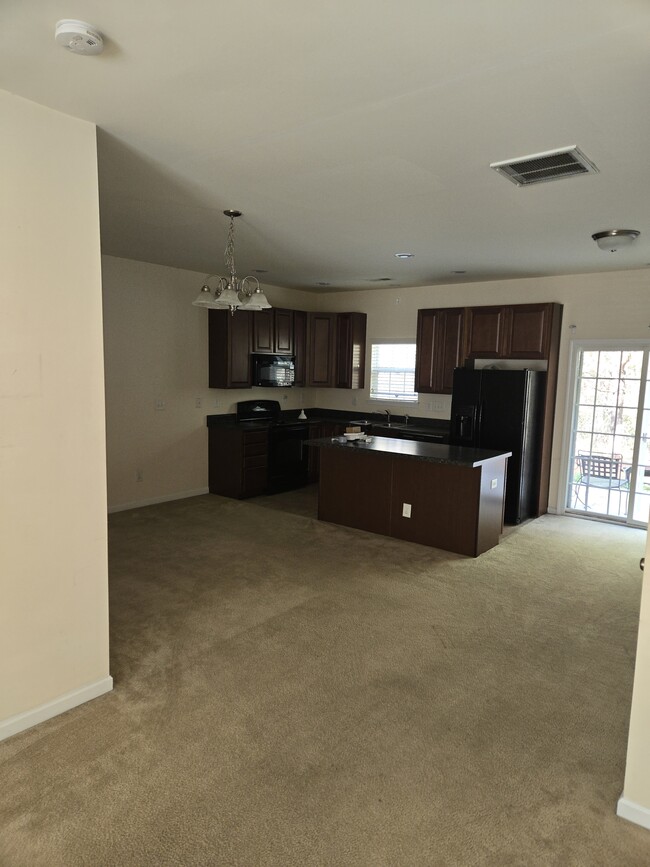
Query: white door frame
575	346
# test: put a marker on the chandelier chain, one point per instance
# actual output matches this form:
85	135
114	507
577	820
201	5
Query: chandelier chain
229	253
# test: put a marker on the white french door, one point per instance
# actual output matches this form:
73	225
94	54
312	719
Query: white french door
609	456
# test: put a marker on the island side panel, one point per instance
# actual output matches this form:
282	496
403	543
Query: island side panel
445	505
490	525
354	489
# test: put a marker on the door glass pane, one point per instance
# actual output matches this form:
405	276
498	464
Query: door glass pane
642	486
603	438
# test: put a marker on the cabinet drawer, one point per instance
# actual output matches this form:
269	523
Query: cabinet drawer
255	461
251	449
255	436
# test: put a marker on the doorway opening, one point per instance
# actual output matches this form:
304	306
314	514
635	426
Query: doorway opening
609	457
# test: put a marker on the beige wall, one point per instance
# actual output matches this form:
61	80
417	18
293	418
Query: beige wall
53	570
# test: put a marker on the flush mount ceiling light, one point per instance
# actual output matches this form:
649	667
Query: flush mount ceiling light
404	255
613	239
232	292
78	37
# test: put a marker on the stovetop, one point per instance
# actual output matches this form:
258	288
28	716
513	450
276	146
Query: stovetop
263	412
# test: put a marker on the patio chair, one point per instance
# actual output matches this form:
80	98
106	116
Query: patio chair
599	471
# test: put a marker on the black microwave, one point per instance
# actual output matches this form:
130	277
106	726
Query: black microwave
273	370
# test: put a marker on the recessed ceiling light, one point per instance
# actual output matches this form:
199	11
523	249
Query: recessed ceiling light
259	271
380	279
404	255
324	284
459	272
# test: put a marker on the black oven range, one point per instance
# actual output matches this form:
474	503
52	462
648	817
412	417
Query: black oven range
287	455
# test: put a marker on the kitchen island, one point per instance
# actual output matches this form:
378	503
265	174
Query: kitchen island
444	496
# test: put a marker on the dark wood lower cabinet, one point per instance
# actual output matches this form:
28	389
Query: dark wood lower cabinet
455	508
237	462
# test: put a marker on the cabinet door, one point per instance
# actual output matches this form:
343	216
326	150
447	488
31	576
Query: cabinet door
439	349
320	351
229	347
263	331
283	332
486	332
300	347
450	348
350	350
425	351
529	331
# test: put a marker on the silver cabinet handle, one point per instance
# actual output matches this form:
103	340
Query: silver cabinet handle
642	563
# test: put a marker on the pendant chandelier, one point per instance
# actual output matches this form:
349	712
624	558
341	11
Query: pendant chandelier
232	292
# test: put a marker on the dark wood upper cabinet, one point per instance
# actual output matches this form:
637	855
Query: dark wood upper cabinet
329	348
229	349
262	338
449	337
511	331
273	331
321	348
439	349
300	349
350	350
283	331
529	330
485	332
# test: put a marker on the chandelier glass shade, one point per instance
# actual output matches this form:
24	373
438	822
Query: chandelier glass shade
231	292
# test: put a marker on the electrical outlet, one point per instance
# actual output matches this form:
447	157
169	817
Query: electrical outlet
217	403
435	405
159	404
139	476
354	401
406	510
198	403
494	483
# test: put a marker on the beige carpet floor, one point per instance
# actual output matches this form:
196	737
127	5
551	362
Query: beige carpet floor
289	692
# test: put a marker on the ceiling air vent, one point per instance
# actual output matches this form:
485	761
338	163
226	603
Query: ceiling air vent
547	166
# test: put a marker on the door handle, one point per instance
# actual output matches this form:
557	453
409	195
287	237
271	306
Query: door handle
642	563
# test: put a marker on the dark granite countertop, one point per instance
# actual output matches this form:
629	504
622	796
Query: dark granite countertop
431	452
316	415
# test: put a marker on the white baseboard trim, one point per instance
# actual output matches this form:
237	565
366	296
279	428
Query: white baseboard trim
153	501
633	812
15	724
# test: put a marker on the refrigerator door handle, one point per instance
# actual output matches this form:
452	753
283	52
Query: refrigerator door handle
463	427
479	422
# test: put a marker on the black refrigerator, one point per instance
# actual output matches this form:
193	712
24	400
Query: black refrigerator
503	409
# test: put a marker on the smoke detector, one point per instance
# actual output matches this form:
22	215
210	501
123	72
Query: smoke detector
78	37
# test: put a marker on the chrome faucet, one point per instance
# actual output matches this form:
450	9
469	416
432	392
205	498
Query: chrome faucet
387	411
406	420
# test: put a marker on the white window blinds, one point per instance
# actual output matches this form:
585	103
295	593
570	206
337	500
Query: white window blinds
392	372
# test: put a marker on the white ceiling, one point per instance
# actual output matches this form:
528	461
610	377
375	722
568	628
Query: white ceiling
349	130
